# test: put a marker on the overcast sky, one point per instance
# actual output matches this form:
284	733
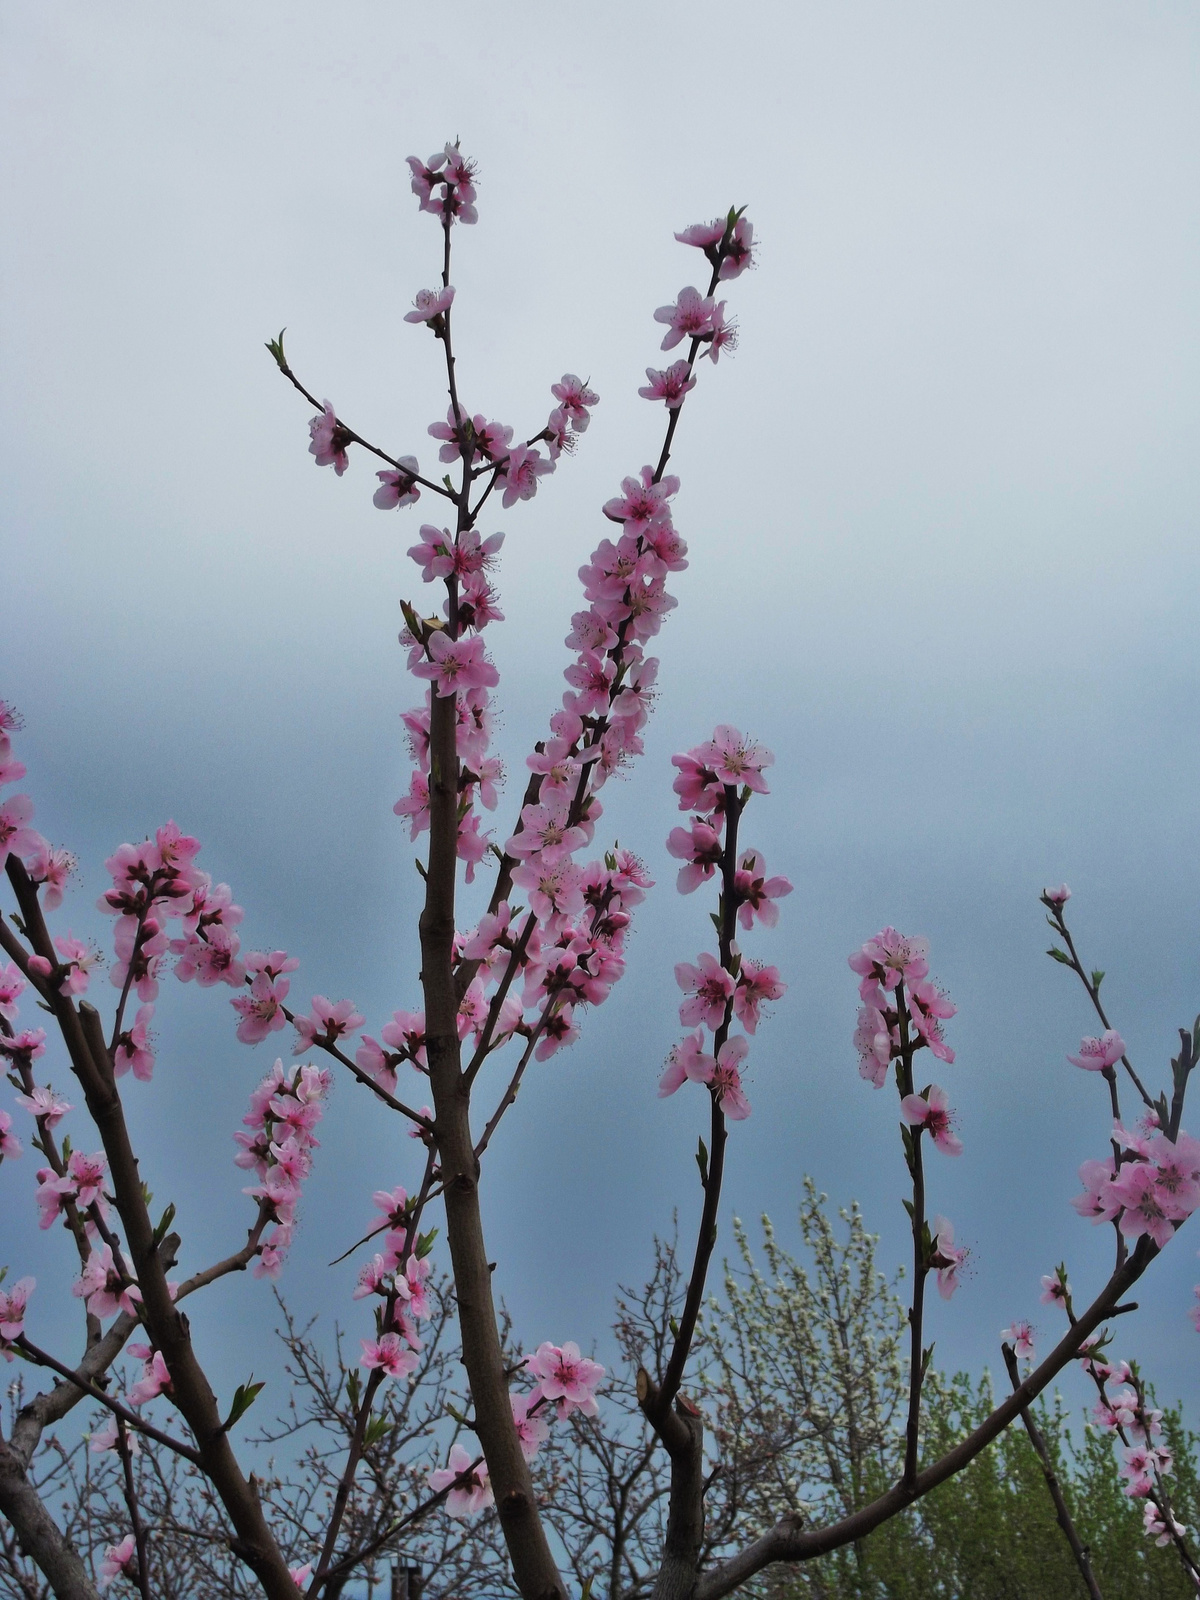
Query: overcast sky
942	508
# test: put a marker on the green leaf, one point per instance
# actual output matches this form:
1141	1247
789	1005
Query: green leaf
908	1206
353	1389
702	1162
243	1398
275	346
168	1217
376	1429
425	1243
1059	955
1097	978
673	1324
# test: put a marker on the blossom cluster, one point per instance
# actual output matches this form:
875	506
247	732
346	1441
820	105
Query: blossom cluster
284	1110
397	1275
48	868
567	1381
1149	1186
715	780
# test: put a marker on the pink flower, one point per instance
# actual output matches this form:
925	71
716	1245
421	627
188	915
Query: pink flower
710	988
532	1427
1054	1289
27	1046
932	1112
16	837
1136	1188
301	1575
724	335
398	488
133	1048
701	848
756	983
120	1560
735	759
1155	1526
545	834
890	958
329	440
727	1080
1178	1165
457	664
567	1377
79	958
1096	1201
874	1045
154	1380
689	318
576	399
415	804
738	253
670	385
473	1492
390	1354
757	892
1020	1336
1097	1055
430	304
554	889
643	503
521	470
1058	896
101	1286
45	1103
929	1007
10	1145
13	1303
261	1010
687	1060
50	869
326	1024
947	1258
12	986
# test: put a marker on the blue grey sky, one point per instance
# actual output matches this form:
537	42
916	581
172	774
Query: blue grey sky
942	509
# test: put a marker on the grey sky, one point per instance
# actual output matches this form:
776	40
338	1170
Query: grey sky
941	505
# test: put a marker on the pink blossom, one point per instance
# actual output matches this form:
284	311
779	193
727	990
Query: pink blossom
1058	896
929	1006
79	958
724	335
890	958
13	1304
103	1288
326	1024
26	1047
120	1560
689	318
947	1257
873	1042
756	983
738	252
50	869
670	385
554	889
727	1079
559	1030
576	398
532	1427
1097	1055
1096	1201
261	1010
12	985
567	1377
301	1575
16	837
1136	1188
431	304
700	846
521	470
45	1103
932	1112
735	759
415	804
10	1145
1020	1336
406	1033
757	892
1155	1526
133	1048
473	1492
457	664
710	988
643	503
1178	1163
399	487
1054	1289
210	959
687	1060
154	1380
704	235
329	440
104	1438
545	834
390	1354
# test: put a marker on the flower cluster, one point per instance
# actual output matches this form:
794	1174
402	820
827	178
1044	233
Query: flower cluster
445	185
567	1381
1149	1187
48	867
715	781
284	1110
80	1184
397	1275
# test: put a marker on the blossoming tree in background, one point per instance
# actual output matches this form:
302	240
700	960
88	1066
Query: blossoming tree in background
516	987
